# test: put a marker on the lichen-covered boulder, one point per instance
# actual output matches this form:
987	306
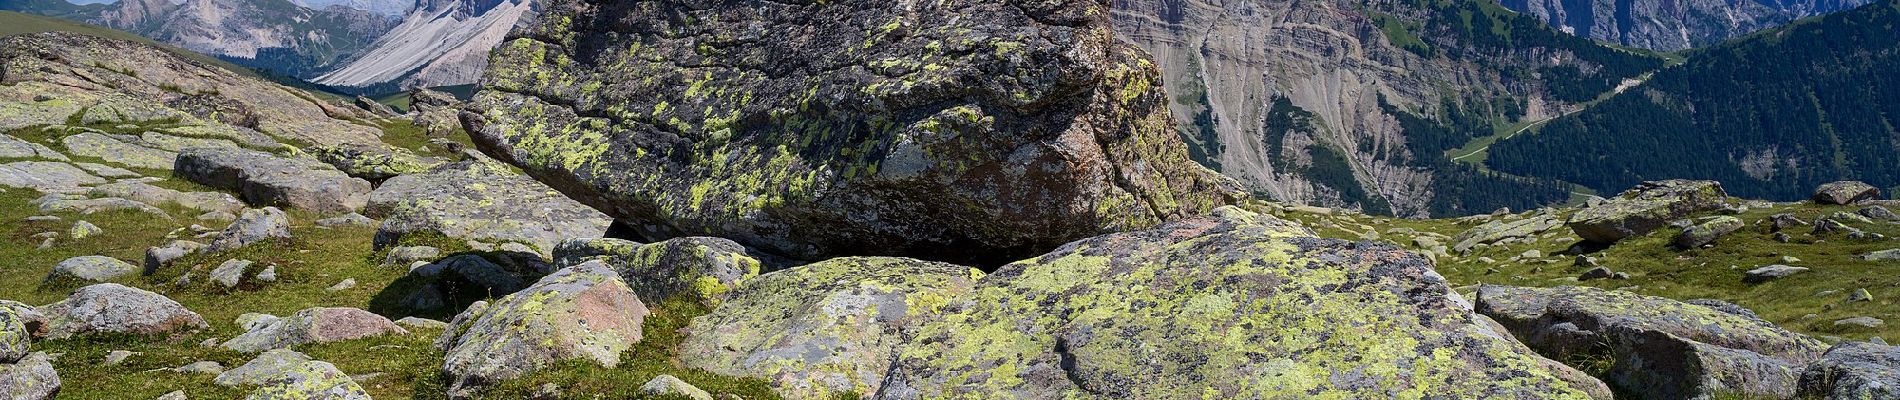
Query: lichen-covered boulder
706	269
977	131
1238	305
252	226
484	201
15	341
90	269
264	179
371	162
1657	347
310	380
312	325
1494	231
824	329
1645	208
1707	231
1845	192
30	378
1854	370
580	312
113	308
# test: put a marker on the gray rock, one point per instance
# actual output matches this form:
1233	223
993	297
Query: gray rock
1845	192
83	229
1771	272
1707	231
405	255
421	323
231	272
312	325
351	219
1496	231
15	341
311	380
218	216
1854	370
254	225
11	147
1724	306
1882	255
32	378
580	312
146	193
157	257
373	162
268	365
342	285
1596	273
463	277
93	206
201	367
108	308
117	357
107	170
705	269
1879	213
1659	347
90	269
1860	295
481	201
173	395
267	180
1864	322
46	176
667	385
1645	208
101	146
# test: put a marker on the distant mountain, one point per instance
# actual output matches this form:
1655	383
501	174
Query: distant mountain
1672	25
1769	115
389	8
275	35
1354	104
440	43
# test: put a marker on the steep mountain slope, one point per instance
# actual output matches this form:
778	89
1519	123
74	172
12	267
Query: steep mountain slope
1767	115
1353	104
390	8
272	34
1672	25
441	43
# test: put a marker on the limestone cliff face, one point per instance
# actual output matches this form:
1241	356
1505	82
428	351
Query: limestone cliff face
1672	25
274	34
1307	101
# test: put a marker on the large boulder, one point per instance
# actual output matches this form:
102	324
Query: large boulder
268	180
111	308
1845	192
30	378
311	325
580	312
285	374
973	131
705	269
1238	305
1854	370
1498	230
1645	208
1654	347
482	201
824	329
1707	231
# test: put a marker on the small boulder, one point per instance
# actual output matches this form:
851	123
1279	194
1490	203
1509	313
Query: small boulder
668	385
157	257
309	380
580	312
1878	213
1771	272
83	229
480	200
1779	222
90	269
1596	273
268	180
1707	231
1882	255
230	272
30	378
1860	295
113	308
703	268
313	325
1501	230
1853	370
264	367
1645	208
252	226
1845	192
1863	322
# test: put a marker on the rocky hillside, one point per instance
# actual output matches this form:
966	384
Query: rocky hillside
1354	104
1673	25
275	35
439	43
1821	112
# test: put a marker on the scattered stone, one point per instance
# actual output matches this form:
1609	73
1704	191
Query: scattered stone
267	180
351	219
31	378
1879	213
83	229
313	325
254	225
1531	254
1645	208
1596	273
1783	237
1864	322
343	285
230	272
405	255
1659	347
117	357
1771	272
201	367
667	385
157	257
583	312
113	308
1853	370
1584	261
1882	255
421	323
1860	295
852	307
269	274
1706	232
1178	290
90	269
1845	192
480	200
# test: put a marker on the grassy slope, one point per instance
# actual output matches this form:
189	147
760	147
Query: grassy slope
13	23
1657	269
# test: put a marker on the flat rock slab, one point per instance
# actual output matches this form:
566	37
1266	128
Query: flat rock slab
101	146
91	269
481	201
12	147
46	176
312	325
264	179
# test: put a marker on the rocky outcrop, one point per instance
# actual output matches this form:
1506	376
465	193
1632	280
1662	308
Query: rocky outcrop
484	201
976	131
1656	347
1672	25
311	325
371	162
268	180
1705	232
1239	305
111	308
701	268
824	329
1854	370
581	312
1645	208
1503	229
1845	192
